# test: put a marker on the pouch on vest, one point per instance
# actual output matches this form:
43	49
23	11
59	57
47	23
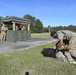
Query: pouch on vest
66	37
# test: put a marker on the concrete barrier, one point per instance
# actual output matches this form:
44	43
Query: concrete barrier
14	36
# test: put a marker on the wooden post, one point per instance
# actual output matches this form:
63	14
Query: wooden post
28	27
13	25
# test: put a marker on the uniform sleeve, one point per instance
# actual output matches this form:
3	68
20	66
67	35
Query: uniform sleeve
60	36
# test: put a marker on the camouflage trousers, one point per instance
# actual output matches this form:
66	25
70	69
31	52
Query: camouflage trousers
72	44
3	36
65	56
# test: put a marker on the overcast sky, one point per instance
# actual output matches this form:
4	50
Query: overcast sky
50	12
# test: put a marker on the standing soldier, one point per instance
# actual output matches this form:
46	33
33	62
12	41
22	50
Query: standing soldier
3	32
67	43
16	28
23	28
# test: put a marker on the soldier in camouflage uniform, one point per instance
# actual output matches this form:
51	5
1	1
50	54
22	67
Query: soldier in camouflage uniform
3	32
66	45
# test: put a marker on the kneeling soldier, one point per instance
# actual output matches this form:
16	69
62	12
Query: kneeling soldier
66	45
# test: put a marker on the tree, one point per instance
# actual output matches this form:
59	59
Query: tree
70	27
36	25
7	16
49	28
39	26
45	29
27	16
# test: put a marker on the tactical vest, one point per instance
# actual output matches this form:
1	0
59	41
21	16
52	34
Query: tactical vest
66	37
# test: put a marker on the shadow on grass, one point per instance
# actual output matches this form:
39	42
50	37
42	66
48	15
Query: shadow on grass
49	52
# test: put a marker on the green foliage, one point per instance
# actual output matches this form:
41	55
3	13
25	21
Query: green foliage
27	16
70	27
36	24
57	28
39	26
45	29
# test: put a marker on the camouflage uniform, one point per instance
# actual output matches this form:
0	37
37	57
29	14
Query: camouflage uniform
65	55
3	33
72	44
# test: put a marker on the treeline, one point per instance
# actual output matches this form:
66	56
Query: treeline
70	27
37	26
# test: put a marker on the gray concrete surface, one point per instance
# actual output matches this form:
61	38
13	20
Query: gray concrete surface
10	46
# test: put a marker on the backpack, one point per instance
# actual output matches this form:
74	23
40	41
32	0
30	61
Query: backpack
49	52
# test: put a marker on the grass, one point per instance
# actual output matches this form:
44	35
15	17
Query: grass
40	35
31	60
